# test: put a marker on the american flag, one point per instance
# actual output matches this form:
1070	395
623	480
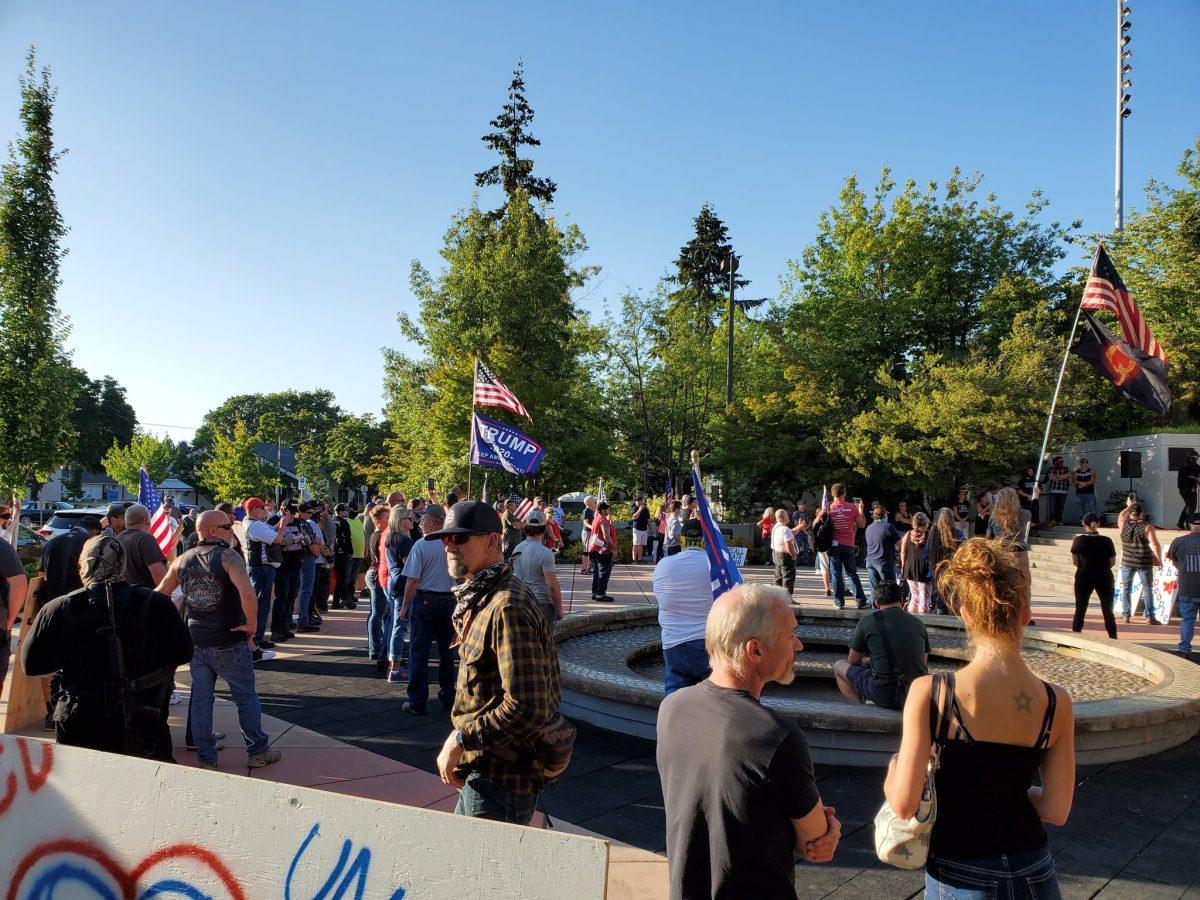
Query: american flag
601	497
665	510
523	508
491	391
160	522
1106	290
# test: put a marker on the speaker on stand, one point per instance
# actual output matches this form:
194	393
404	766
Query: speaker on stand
1131	465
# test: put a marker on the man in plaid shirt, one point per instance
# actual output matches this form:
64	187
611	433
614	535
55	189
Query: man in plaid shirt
508	683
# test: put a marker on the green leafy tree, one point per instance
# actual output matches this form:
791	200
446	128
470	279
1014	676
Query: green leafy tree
101	418
504	294
144	450
351	448
233	471
37	388
513	173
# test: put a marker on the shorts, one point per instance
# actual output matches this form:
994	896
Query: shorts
861	680
639	538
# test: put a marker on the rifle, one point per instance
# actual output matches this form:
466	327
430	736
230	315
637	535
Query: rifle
119	685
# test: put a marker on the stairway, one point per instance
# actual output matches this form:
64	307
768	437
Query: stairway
1050	560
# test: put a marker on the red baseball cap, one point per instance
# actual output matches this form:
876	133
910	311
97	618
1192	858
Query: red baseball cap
253	503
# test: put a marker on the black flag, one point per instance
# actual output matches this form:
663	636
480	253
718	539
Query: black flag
1139	376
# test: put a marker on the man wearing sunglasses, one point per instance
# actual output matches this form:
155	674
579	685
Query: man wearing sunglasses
508	682
221	610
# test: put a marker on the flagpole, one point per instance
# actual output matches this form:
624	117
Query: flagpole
471	434
1062	370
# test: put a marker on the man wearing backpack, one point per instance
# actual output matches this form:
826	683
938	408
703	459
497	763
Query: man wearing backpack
888	650
508	690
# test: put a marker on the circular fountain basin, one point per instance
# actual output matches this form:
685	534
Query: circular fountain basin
1130	701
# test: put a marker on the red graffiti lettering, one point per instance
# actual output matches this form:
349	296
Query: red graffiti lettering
33	779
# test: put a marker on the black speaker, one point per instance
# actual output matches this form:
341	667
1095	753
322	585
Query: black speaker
1131	463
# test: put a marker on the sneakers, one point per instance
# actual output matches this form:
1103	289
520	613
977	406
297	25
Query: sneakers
261	655
212	767
176	699
279	638
266	645
412	709
602	598
398	674
309	629
266	758
220	738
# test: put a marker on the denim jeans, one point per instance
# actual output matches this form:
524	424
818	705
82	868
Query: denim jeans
379	621
842	564
880	573
236	666
1087	504
482	798
684	665
308	580
429	620
398	630
1188	607
287	587
262	578
1015	876
1058	503
1147	579
602	564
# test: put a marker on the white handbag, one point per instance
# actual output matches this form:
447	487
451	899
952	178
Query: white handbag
904	843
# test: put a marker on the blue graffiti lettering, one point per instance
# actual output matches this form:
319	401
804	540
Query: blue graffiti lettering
355	876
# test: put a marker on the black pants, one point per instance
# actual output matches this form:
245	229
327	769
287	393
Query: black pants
1189	507
785	571
1102	584
1058	503
602	564
346	572
287	588
320	597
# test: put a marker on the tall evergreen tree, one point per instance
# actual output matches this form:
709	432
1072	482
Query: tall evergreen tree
513	173
37	388
699	264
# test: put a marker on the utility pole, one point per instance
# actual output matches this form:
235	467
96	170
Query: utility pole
1123	111
730	265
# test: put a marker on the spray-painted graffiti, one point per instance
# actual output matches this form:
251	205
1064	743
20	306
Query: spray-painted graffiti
186	871
34	779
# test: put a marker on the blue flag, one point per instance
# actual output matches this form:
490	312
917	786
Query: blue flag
500	446
721	568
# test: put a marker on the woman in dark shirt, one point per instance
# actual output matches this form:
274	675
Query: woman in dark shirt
1094	554
1004	727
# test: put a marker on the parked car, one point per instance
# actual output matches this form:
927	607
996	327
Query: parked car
29	546
64	519
37	512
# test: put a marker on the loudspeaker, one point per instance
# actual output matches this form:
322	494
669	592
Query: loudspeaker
1131	463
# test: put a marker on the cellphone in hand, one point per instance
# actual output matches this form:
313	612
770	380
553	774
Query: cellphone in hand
429	484
857	500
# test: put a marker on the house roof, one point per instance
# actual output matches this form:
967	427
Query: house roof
287	456
174	484
96	478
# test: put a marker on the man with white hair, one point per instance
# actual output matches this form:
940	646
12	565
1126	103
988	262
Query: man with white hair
737	778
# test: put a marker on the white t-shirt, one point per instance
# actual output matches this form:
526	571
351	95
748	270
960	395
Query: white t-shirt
532	562
683	590
781	539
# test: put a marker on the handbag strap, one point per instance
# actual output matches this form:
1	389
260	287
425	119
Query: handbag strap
940	698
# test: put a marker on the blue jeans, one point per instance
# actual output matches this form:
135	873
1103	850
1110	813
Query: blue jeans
482	798
842	564
236	666
1147	579
394	636
429	619
1188	607
880	572
262	578
308	579
684	665
1087	504
1016	876
379	621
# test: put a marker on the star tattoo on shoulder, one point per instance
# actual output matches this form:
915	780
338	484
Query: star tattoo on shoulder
1024	701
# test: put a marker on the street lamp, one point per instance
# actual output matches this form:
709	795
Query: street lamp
729	265
1124	83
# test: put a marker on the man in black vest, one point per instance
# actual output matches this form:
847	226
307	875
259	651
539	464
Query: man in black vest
113	648
1189	477
259	536
220	606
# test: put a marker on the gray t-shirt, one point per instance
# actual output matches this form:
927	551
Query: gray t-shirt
734	775
427	561
531	563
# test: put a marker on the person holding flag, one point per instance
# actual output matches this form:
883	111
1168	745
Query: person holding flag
723	571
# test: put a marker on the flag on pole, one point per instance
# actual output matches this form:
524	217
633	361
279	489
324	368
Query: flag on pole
160	522
1106	290
601	497
1138	375
524	508
722	570
500	446
491	391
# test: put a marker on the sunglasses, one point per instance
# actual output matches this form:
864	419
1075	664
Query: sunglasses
224	528
460	539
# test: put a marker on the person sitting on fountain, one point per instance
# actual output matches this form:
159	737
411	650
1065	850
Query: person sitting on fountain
888	651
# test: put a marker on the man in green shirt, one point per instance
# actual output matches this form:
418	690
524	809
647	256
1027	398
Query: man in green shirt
888	650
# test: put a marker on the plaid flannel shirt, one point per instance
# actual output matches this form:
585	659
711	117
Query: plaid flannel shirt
508	687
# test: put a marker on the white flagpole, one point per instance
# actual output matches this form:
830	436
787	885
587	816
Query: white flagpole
471	439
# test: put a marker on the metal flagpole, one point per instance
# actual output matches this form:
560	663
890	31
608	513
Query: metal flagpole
1037	478
471	438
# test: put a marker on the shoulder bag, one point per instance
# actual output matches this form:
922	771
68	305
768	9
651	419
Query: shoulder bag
904	843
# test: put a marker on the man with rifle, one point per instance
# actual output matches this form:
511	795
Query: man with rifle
112	648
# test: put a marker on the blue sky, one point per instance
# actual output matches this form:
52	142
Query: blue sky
247	184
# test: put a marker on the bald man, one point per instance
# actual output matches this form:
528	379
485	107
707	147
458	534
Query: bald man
221	608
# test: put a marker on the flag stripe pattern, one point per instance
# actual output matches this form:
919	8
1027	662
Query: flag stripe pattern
160	522
491	391
722	570
1105	290
524	508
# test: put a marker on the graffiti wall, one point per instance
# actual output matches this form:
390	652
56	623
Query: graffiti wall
76	824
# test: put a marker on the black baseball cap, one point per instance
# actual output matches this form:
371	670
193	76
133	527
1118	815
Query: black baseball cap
90	522
692	530
468	517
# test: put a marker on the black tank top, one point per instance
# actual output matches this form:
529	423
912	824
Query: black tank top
1135	546
211	600
983	791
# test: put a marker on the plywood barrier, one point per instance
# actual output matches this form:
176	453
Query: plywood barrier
82	824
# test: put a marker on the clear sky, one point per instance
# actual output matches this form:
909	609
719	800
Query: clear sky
248	183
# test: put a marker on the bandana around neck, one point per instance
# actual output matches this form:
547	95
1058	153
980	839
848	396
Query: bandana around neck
469	595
